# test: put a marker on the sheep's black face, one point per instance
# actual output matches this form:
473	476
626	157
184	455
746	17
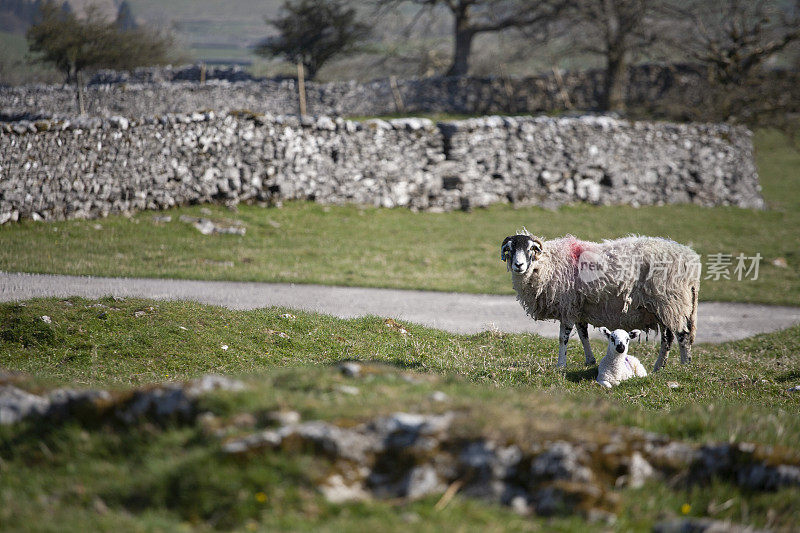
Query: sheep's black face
519	252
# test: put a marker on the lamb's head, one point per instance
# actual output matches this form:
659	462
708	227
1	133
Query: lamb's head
619	339
520	252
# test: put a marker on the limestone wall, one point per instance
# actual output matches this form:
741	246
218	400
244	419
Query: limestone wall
70	168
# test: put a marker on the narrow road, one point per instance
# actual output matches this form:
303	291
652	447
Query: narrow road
457	313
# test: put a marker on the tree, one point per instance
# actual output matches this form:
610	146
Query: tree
125	19
615	29
312	32
75	45
472	17
734	38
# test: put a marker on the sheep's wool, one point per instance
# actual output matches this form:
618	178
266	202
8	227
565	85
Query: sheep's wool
644	282
615	368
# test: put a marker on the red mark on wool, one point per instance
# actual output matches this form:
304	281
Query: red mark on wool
576	249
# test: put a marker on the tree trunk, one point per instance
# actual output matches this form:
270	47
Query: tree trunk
616	78
310	70
464	35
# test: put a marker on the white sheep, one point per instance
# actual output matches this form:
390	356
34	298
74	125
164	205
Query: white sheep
617	365
629	283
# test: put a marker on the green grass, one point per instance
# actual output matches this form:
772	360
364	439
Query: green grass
72	477
350	245
15	66
102	343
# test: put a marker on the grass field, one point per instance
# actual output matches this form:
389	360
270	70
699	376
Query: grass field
71	477
15	66
309	243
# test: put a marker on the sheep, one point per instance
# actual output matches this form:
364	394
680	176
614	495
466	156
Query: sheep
617	365
629	283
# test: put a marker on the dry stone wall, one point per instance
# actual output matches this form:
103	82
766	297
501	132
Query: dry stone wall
160	91
88	167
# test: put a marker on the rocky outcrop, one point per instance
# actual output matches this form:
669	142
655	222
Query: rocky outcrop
411	455
561	468
90	167
156	403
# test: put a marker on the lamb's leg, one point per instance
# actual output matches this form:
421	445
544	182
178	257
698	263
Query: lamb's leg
583	335
686	347
563	339
666	343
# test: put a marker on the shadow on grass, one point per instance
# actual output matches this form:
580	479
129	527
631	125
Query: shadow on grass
374	363
587	374
792	375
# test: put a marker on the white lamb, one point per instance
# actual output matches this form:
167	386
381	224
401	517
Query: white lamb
630	283
617	365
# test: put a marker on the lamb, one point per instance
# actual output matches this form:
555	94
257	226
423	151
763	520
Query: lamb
629	283
617	365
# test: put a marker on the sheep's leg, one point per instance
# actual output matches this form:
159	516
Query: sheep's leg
666	343
583	335
686	347
563	339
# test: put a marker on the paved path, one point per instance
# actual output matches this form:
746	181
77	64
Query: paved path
458	313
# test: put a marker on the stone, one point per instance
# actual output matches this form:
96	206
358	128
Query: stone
284	418
335	441
212	383
764	477
703	525
439	396
158	403
68	402
639	471
409	162
256	441
336	490
780	262
348	389
119	122
17	404
562	498
400	429
422	481
350	369
562	461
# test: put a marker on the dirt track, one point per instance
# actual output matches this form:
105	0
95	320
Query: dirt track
457	313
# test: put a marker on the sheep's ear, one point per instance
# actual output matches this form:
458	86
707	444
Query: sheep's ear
538	246
505	249
605	332
634	334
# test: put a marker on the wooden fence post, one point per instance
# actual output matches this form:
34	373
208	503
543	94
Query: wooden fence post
398	98
301	88
79	85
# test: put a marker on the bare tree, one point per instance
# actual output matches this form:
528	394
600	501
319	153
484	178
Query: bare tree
616	30
472	17
734	38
